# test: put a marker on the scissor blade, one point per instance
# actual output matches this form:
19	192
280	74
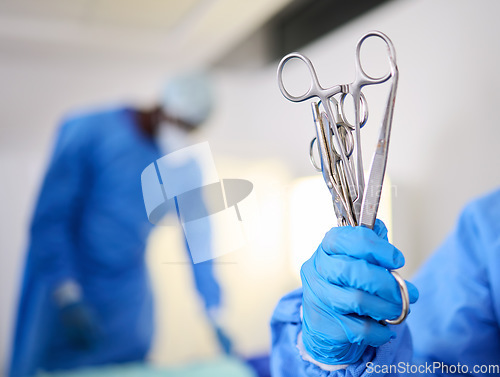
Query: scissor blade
373	189
360	178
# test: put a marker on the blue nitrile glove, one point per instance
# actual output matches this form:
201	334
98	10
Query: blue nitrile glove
347	291
77	318
79	325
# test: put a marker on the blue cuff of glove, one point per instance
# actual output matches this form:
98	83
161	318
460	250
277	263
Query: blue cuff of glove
328	351
398	350
305	356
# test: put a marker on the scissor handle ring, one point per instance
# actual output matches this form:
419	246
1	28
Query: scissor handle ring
314	87
347	140
311	155
405	298
364	110
367	79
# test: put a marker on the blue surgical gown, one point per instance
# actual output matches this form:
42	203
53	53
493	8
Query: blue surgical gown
90	225
456	320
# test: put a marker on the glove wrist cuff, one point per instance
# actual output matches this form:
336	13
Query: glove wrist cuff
305	356
67	293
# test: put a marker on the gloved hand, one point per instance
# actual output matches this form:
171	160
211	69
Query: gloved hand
79	324
347	291
77	319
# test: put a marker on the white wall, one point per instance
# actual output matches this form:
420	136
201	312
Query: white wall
444	142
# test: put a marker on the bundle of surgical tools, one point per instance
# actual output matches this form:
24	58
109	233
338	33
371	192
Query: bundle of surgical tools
339	142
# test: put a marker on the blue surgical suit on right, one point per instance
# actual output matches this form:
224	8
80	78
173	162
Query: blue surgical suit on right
456	320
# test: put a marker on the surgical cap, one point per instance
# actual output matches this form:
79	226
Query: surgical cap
188	97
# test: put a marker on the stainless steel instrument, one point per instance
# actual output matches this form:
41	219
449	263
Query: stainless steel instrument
339	143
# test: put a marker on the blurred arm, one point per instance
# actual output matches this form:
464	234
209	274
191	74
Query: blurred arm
194	216
54	227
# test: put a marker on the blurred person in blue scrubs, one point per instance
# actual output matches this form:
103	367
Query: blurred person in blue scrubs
86	297
332	325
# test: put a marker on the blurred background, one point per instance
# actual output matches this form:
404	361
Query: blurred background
58	56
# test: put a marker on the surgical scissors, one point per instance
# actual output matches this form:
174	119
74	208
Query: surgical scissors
340	151
355	180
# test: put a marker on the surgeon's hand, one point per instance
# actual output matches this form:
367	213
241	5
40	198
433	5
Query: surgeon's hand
80	325
347	291
78	320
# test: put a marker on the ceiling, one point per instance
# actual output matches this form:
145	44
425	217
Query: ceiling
189	30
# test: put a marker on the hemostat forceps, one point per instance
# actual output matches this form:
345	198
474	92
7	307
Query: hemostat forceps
339	143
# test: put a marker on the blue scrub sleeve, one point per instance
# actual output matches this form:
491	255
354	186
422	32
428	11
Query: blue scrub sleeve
286	360
54	228
204	278
456	320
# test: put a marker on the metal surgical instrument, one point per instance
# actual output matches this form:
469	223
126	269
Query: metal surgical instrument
339	143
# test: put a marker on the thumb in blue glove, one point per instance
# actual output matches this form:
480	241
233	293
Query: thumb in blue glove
347	291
